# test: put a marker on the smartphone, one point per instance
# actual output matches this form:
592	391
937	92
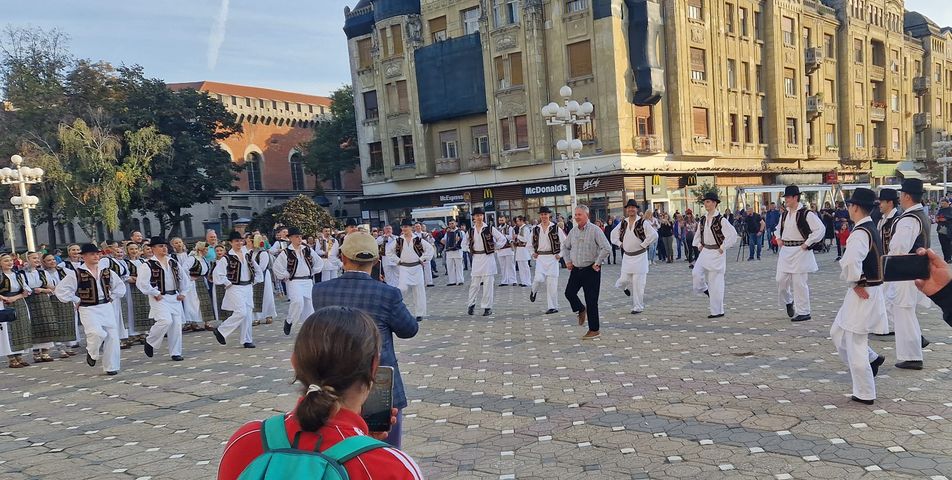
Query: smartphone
377	407
903	268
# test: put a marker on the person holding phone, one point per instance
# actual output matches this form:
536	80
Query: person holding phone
335	359
938	284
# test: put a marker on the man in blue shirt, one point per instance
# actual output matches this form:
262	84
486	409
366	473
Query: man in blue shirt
772	219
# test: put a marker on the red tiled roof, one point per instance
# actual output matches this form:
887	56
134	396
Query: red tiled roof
252	92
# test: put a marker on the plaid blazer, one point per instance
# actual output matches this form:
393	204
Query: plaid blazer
384	304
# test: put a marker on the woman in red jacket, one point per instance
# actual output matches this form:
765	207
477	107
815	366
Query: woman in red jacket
335	357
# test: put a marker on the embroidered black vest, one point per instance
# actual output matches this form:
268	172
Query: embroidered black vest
639	230
6	286
873	263
554	241
233	270
199	267
925	229
887	232
519	243
505	228
454	240
293	261
87	288
802	225
158	276
716	229
43	282
489	243
417	246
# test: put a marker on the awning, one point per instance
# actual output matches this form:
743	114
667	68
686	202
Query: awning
780	188
908	170
322	200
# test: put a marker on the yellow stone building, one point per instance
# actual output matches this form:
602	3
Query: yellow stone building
738	93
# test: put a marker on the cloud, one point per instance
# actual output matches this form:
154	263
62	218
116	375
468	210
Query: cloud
217	36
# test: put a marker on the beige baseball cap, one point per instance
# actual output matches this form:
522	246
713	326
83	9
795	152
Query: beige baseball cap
359	247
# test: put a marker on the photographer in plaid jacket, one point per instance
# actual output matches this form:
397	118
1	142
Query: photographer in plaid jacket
357	289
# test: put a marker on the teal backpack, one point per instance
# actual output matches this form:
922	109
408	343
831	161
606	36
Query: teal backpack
282	461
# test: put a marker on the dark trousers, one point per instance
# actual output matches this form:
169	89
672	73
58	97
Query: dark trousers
590	282
945	241
396	431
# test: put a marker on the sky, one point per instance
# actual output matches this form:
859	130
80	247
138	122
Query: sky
294	45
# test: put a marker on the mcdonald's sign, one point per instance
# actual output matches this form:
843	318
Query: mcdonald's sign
656	180
487	193
692	180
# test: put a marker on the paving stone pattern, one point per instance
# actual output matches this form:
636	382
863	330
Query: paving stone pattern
663	394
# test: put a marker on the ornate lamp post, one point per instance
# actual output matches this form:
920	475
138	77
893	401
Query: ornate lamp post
22	176
568	115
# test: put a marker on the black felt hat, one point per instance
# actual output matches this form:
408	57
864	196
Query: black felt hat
632	203
711	196
913	186
791	191
889	194
478	211
863	197
157	240
545	210
88	248
234	235
293	231
351	222
406	222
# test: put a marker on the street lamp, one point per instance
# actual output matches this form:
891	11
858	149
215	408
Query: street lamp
22	175
571	113
943	151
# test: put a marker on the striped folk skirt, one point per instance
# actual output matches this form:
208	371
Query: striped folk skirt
219	298
43	319
65	314
258	295
205	307
19	331
140	311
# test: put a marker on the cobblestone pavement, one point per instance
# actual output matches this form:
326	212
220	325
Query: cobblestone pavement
663	394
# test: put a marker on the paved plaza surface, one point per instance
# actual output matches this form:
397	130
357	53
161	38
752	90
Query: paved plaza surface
663	394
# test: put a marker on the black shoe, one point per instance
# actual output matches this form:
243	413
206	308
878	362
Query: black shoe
419	319
706	292
219	336
90	361
716	316
627	292
910	365
503	284
532	297
860	400
801	318
925	343
428	286
790	312
436	276
487	312
875	364
177	358
114	372
148	349
636	312
550	311
248	345
471	309
750	259
890	334
287	327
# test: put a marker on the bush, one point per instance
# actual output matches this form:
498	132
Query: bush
303	213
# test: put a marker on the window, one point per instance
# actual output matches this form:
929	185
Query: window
786	26
729	17
807	42
480	140
895	139
364	57
287	106
274	105
505	12
858	50
731	73
504	131
580	59
253	167
299	108
509	70
449	144
829	45
397	96
732	124
234	100
310	109
860	136
789	82
438	29
370	105
396	40
937	111
247	102
470	20
572	6
643	124
696	9
807	85
791	131
376	156
761	131
408	158
938	72
297	172
745	76
700	122
829	90
698	68
859	99
748	134
742	21
830	134
395	141
759	72
522	131
759	26
894	100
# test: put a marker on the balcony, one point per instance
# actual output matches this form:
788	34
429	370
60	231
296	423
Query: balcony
877	111
813	151
481	162
877	72
648	144
921	85
922	154
878	153
922	121
375	174
814	59
815	105
447	165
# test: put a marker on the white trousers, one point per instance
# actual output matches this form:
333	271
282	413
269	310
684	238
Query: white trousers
240	318
121	329
854	350
635	283
713	282
301	307
392	275
193	312
99	327
507	267
414	297
168	315
525	273
793	288
488	284
268	309
454	269
428	272
908	333
551	284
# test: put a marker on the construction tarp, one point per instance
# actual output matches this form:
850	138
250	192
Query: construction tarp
450	79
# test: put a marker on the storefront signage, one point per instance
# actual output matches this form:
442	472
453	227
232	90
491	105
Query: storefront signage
830	177
590	184
452	197
487	193
545	189
489	205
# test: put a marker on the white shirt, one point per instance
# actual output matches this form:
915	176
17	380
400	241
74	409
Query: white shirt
220	274
66	289
906	231
408	254
791	233
301	271
144	277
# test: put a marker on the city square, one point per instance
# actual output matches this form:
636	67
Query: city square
664	394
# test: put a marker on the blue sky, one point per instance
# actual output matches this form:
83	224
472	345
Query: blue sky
295	45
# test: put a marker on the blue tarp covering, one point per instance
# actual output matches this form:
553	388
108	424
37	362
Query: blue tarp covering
384	9
601	8
359	25
644	30
450	79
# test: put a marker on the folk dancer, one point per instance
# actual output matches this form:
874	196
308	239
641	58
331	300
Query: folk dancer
236	272
110	259
193	318
92	289
483	242
329	249
391	274
911	231
65	312
520	241
546	248
716	236
280	243
73	258
453	242
166	282
16	337
419	230
43	319
634	235
412	253
888	201
863	310
296	265
201	272
137	304
799	231
585	247
264	308
506	255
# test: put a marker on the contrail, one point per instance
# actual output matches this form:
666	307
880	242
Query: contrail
217	36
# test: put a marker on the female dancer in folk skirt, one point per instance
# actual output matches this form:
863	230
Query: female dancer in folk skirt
16	337
217	291
264	308
137	304
198	301
65	313
43	320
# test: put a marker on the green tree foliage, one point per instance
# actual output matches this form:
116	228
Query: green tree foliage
265	221
333	150
703	189
303	213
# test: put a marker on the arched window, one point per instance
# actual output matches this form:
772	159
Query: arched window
136	224
253	168
188	226
297	172
146	227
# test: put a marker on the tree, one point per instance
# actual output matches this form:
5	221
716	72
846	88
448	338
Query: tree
303	213
703	189
265	221
333	150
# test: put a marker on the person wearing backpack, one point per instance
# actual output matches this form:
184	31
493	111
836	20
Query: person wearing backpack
336	354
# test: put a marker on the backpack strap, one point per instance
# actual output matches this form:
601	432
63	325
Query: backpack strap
353	446
273	434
